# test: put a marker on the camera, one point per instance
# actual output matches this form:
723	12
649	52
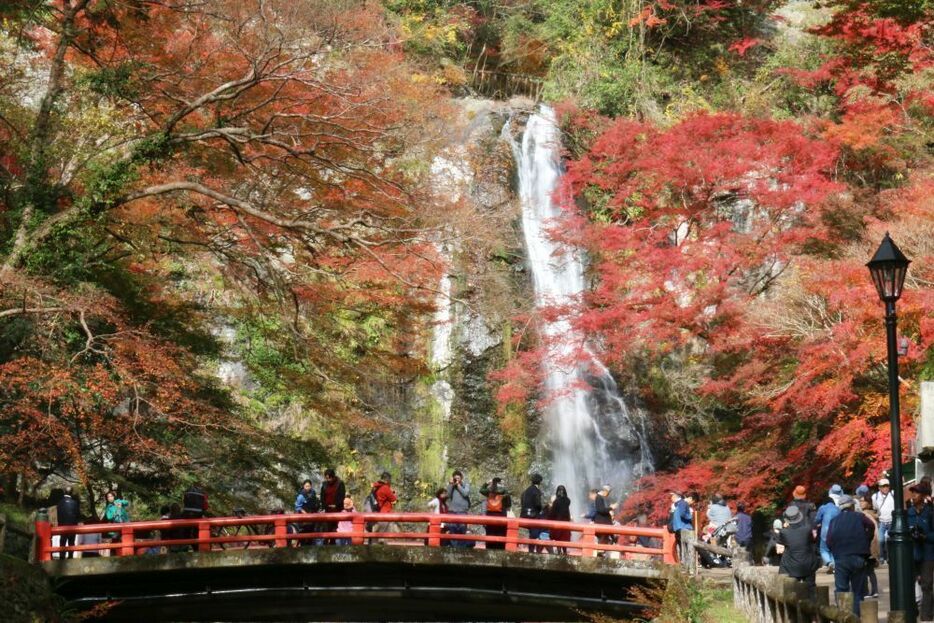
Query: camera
916	533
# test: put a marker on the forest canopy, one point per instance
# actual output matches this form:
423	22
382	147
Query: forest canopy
177	172
171	168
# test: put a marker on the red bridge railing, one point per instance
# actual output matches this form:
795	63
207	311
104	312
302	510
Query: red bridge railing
203	535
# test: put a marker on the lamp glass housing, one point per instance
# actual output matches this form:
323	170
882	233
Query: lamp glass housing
888	268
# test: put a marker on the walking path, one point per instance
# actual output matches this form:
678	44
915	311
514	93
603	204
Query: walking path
725	576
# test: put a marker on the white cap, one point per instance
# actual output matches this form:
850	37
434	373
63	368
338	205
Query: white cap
883	482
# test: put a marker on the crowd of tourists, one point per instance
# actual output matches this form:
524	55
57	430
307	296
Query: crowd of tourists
456	498
844	535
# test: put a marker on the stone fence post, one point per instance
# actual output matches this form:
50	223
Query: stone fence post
764	596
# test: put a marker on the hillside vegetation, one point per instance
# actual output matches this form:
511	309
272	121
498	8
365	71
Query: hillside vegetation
183	181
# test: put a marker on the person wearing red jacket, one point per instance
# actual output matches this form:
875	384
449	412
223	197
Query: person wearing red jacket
385	496
385	500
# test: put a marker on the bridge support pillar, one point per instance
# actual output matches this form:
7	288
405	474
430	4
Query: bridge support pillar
126	541
434	531
669	544
204	534
588	537
281	531
359	528
43	536
512	535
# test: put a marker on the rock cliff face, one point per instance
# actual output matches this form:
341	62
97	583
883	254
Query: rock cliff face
488	287
423	427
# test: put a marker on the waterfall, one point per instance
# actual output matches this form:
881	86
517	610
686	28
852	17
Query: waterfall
440	353
592	437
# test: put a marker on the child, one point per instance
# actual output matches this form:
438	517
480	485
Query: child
347	524
439	504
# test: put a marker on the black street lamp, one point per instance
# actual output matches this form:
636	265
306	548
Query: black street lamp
888	268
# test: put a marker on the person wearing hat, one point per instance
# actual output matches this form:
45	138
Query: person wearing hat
825	514
799	499
531	501
799	558
849	537
921	528
773	549
883	502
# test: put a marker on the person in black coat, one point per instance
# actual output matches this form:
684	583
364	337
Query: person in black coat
532	508
800	559
69	514
603	515
332	497
560	510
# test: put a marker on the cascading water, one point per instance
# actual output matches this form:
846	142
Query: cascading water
451	176
440	353
592	437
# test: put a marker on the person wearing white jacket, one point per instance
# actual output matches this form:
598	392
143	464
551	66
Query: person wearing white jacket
883	502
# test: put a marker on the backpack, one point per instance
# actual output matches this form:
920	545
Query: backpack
494	503
371	504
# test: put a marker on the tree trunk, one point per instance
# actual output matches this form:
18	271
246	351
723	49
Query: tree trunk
41	134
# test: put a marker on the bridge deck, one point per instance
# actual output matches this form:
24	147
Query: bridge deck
265	574
352	583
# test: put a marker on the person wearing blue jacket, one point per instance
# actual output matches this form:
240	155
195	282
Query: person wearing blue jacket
921	528
681	523
849	537
591	505
306	502
826	514
743	527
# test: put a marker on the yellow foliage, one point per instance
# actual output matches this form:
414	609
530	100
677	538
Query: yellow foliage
722	66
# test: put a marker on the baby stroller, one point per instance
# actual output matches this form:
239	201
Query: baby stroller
722	536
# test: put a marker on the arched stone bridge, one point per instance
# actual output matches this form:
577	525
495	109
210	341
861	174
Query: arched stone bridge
254	569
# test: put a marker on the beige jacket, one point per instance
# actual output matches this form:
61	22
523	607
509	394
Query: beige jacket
874	546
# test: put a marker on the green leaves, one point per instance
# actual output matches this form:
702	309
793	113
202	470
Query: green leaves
113	81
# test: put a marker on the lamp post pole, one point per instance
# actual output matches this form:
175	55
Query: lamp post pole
888	268
900	545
